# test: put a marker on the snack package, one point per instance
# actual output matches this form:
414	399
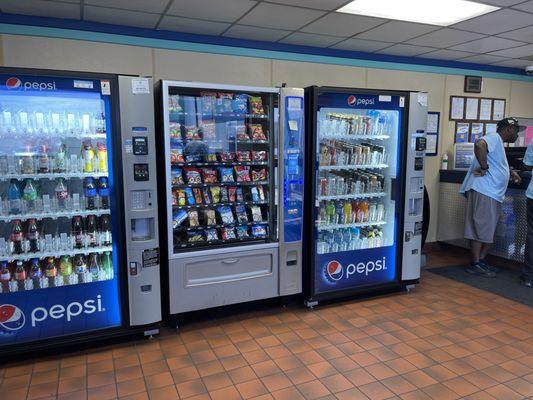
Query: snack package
197	192
256	105
243	173
257	133
182	198
227	156
193	218
175	197
208	102
243	156
174	130
195	236
240	103
228	233
240	133
207	196
174	104
226	174
176	154
257	216
179	218
261	193
226	215
209	130
192	158
242	232
242	217
209	175
258	156
210	157
223	105
232	191
255	194
224	194
190	196
259	175
176	176
193	176
239	195
215	194
210	217
259	231
192	133
211	235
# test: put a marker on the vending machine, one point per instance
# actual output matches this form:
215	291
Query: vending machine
234	193
79	256
365	190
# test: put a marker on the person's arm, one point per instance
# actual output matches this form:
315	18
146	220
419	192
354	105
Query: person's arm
480	151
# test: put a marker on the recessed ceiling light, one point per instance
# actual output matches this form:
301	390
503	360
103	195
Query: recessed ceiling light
434	12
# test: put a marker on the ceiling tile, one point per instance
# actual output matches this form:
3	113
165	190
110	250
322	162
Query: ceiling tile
487	44
446	54
514	63
188	25
41	8
443	38
496	22
230	11
517	52
482	59
527	6
120	17
501	3
280	17
255	33
397	31
524	34
406	50
338	24
153	6
328	5
310	39
361	45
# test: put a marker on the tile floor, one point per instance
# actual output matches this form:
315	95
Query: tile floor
443	341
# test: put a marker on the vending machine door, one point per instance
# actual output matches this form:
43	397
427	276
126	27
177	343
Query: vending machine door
59	213
356	201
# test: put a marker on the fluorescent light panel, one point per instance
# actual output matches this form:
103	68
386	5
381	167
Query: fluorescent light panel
434	12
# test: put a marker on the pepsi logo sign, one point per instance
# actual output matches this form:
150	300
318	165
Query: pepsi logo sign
334	271
352	100
13	83
11	318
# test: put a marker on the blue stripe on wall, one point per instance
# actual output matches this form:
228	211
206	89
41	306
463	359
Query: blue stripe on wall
97	32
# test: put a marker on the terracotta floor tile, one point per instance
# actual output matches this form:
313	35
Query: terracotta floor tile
380	371
337	383
503	392
313	390
461	386
14	394
191	388
477	362
364	358
290	393
102	379
217	381
420	379
154	367
229	393
420	360
288	363
376	391
77	395
210	368
439	373
71	384
159	380
398	385
415	395
256	356
351	394
516	368
499	374
265	368
43	366
479	396
74	371
300	375
522	386
440	392
128	373
322	369
310	357
276	382
131	387
251	389
480	379
185	374
15	382
401	366
42	390
106	392
150	356
242	374
359	377
164	393
11	372
127	361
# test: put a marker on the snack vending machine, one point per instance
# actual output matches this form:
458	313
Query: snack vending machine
365	179
224	215
73	173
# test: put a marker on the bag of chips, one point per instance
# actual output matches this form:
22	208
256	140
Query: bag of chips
209	130
259	175
192	133
243	156
226	174
193	176
209	175
224	101
190	196
226	156
261	193
175	197
210	217
176	176
207	196
174	130
211	235
243	173
257	132
257	216
242	217
174	104
240	103
228	233
208	102
241	134
195	236
182	198
215	194
232	191
179	218
224	194
210	157
226	215
239	194
193	218
259	156
197	192
255	194
259	231
256	105
242	232
176	155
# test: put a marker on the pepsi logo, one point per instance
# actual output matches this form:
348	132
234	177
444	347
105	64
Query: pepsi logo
352	100
334	271
13	83
11	318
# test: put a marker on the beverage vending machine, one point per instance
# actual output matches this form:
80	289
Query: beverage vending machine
234	193
78	210
365	180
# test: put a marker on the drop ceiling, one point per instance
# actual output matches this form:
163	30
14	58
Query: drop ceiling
500	38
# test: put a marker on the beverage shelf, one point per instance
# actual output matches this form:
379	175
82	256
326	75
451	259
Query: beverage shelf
351	167
211	205
55	135
53	215
352	196
193	185
330	227
65	175
355	137
58	253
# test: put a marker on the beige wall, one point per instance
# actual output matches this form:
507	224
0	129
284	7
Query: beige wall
25	51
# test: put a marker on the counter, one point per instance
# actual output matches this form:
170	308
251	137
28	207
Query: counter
510	237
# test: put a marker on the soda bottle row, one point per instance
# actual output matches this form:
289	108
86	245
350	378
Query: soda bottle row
336	152
350	212
51	122
349	239
339	183
55	271
32	237
47	159
28	196
371	124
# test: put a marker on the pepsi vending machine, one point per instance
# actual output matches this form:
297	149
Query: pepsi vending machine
78	211
365	174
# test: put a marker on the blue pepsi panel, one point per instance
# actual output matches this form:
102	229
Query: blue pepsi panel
358	162
293	169
58	220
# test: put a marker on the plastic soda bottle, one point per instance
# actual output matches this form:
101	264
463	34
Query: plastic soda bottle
102	156
60	159
17	237
5	276
50	270
61	192
90	193
87	155
29	195
94	266
32	235
44	160
65	266
103	192
107	264
14	198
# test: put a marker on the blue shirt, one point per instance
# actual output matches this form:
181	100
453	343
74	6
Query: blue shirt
528	160
494	183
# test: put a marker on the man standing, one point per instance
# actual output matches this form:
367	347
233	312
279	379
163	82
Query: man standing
527	271
484	186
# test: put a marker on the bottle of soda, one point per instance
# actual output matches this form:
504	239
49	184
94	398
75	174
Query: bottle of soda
29	195
87	155
90	193
44	160
105	230
60	159
92	231
81	267
27	166
32	235
94	266
14	198
77	232
20	274
107	264
102	156
35	272
50	270
103	192
17	237
61	192
5	276
65	267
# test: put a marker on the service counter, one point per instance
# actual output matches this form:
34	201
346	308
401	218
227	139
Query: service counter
510	238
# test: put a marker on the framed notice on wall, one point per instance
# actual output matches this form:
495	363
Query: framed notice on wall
432	133
472	108
498	109
485	110
457	108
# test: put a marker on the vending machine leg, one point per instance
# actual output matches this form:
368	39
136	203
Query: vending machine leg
310	304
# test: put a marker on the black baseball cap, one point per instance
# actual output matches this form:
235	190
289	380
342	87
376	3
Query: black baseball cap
504	123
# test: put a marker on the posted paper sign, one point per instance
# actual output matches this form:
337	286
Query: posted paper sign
140	86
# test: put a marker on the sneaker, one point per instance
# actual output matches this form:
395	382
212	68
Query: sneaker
479	269
488	266
526	281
